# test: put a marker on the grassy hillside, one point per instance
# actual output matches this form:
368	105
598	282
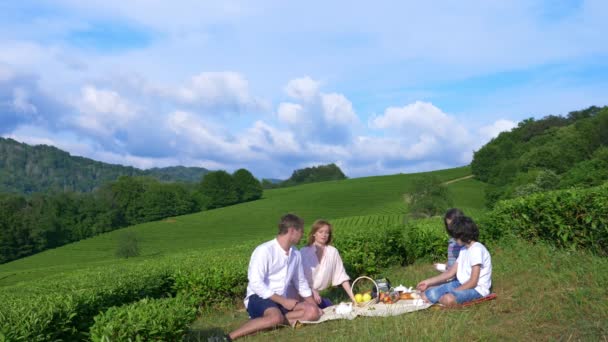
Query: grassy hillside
249	221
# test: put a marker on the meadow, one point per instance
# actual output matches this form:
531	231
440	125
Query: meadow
544	292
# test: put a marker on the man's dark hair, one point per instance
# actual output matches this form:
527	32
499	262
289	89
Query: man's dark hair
451	214
290	220
465	229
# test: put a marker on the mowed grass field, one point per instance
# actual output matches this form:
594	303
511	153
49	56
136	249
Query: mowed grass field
244	222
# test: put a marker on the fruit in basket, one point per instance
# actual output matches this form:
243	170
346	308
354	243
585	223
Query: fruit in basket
367	297
359	298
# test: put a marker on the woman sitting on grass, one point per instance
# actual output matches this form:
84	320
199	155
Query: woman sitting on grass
473	270
322	264
453	247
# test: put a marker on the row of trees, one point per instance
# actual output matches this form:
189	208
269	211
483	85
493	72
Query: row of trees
41	221
551	153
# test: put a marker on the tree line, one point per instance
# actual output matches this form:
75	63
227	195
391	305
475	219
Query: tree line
31	224
555	152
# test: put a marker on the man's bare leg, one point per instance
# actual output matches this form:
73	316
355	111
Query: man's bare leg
303	312
272	317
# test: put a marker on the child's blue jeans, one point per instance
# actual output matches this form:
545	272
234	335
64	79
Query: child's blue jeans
433	294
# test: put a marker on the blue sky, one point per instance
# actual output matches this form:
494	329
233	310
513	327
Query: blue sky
379	88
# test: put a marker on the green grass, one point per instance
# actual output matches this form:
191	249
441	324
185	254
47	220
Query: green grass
543	294
244	222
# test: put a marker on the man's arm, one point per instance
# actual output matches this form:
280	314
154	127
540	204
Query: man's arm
257	272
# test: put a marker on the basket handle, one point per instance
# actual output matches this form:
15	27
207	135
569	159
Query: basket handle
368	278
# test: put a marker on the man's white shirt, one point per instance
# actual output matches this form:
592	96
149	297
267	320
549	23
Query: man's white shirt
272	271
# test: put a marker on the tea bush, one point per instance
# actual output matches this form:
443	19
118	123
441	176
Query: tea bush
365	250
164	319
425	239
573	219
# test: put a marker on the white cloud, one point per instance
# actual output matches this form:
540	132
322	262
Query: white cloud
304	88
199	137
21	102
416	117
272	141
5	73
338	110
212	88
103	111
487	133
290	113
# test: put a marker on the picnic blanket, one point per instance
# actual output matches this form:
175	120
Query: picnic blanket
491	296
372	310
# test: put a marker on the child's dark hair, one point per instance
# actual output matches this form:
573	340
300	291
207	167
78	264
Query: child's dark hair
465	229
451	214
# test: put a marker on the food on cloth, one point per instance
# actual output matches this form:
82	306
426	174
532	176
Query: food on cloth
344	308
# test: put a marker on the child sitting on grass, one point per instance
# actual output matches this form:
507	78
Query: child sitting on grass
473	270
453	247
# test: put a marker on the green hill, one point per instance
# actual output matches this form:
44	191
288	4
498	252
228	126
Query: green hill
243	222
27	169
555	152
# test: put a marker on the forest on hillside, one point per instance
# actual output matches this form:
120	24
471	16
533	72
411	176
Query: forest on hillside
26	169
555	152
31	224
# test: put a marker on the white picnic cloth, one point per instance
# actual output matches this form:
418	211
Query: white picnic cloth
373	310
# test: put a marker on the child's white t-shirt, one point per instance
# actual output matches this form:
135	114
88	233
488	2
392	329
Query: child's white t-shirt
476	254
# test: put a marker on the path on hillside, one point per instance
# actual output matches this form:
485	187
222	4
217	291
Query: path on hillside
458	179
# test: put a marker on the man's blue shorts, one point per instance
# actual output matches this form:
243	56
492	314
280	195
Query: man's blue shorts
257	305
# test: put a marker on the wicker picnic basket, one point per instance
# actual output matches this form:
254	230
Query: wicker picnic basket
374	300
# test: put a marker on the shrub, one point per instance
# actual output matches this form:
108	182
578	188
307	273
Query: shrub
567	218
164	319
425	238
128	245
365	250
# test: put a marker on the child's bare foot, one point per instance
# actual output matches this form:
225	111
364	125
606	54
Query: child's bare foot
423	297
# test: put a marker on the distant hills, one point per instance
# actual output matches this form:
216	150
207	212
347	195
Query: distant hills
28	169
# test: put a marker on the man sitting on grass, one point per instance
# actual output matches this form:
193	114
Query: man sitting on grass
275	270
